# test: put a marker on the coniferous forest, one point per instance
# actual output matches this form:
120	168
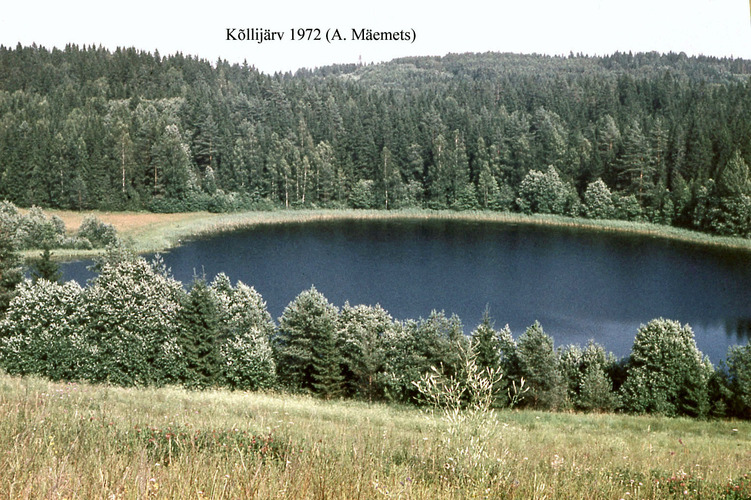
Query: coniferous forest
664	138
661	138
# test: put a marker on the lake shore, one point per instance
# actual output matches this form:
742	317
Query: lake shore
148	232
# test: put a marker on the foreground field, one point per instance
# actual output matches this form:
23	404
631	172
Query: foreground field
78	441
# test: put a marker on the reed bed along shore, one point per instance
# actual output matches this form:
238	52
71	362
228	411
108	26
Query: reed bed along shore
68	440
149	232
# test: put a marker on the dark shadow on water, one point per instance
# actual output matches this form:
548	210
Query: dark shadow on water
738	330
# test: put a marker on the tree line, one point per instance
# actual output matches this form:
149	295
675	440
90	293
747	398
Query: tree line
658	137
135	325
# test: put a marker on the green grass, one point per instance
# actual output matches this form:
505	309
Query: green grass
148	233
61	440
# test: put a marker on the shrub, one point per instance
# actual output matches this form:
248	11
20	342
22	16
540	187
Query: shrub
130	313
628	208
247	357
363	194
98	233
9	217
36	230
41	333
598	201
543	193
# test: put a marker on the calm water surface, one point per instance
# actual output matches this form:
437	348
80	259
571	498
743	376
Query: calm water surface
580	285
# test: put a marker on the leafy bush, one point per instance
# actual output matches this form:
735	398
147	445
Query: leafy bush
247	357
598	201
36	230
130	313
41	332
9	217
543	193
98	233
363	194
628	208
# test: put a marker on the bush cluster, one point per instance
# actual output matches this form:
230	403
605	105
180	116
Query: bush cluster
136	325
35	229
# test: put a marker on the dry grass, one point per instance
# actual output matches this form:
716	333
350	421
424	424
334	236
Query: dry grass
81	441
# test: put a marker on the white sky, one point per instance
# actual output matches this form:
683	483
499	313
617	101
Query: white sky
594	27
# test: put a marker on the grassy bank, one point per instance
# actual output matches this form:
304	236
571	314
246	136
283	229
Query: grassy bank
149	232
81	441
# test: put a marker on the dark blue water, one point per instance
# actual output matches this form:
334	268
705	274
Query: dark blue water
580	285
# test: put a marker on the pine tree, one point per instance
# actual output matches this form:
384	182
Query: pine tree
596	391
199	336
362	345
461	194
171	163
666	373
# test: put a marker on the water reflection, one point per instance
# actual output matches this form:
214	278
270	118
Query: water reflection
738	330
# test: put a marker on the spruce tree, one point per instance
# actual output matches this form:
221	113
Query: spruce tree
45	268
10	269
199	332
485	344
539	365
305	347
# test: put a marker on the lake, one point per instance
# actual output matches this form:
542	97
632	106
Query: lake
579	284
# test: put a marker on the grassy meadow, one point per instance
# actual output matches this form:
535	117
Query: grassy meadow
68	440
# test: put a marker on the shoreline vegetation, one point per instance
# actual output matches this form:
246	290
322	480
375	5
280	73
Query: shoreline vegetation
147	232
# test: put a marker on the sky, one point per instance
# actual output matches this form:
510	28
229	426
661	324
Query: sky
199	28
